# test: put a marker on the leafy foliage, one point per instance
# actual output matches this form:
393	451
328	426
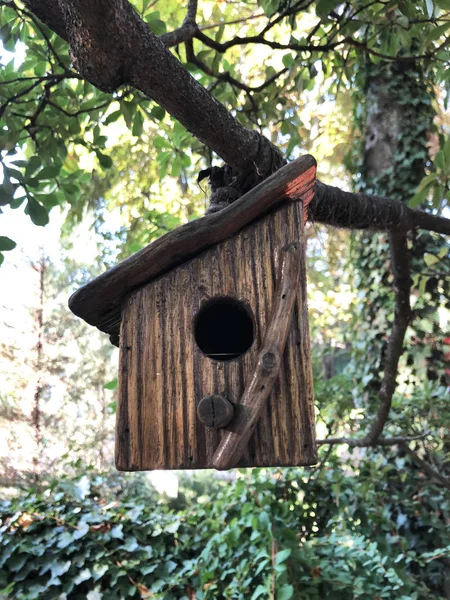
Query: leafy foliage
265	534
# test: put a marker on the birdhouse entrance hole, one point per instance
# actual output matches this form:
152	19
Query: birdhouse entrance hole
223	329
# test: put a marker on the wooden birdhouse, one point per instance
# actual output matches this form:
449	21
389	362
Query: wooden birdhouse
212	323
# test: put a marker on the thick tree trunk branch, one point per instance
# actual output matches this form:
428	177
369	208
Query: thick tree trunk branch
49	12
333	206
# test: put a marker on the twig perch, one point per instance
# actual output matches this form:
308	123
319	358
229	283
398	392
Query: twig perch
268	363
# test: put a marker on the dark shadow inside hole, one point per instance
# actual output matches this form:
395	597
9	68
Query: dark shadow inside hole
223	329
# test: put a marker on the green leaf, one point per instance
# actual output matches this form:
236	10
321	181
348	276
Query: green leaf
111	385
6	243
2	258
37	212
439	161
444	4
446	150
282	556
83	575
81	530
105	160
437	32
260	590
7	190
173	527
113	117
138	124
285	593
131	544
430	259
157	27
116	532
48	172
418	198
65	539
128	110
158	113
324	7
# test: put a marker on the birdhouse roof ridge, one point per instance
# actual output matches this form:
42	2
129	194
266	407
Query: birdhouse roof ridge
99	301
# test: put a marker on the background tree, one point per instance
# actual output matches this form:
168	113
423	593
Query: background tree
363	86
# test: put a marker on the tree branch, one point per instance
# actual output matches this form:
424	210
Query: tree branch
392	441
402	318
425	466
187	30
363	211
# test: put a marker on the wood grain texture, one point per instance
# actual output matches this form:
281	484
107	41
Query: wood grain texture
99	302
268	362
163	374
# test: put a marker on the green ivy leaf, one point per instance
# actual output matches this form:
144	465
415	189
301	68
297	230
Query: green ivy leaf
65	539
81	530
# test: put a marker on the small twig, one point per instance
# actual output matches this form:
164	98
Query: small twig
392	441
226	77
235	22
402	318
425	466
402	287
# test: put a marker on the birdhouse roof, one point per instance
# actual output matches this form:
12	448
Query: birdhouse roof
99	301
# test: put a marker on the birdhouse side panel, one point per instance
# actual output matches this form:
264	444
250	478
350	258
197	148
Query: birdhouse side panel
164	373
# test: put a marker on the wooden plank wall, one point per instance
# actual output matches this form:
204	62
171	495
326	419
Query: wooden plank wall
163	374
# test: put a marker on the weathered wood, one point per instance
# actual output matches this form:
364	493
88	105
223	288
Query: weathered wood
163	374
268	362
215	411
99	302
